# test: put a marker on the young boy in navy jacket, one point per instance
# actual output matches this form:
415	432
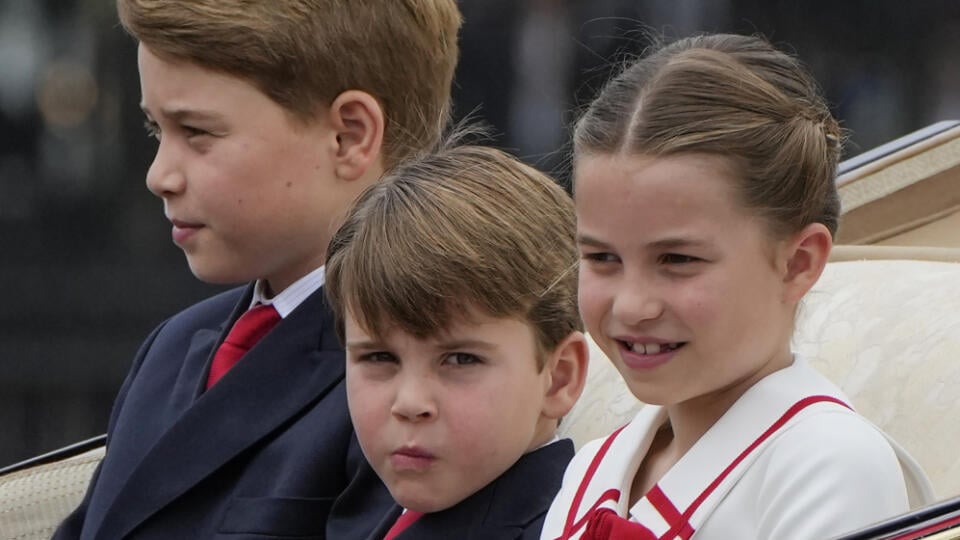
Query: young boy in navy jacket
453	281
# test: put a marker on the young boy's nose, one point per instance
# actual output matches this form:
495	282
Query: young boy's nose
413	401
164	177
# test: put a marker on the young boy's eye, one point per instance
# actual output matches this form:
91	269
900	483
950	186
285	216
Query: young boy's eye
461	359
153	129
380	357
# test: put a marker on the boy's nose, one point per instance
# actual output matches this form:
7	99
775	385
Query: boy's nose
414	402
164	177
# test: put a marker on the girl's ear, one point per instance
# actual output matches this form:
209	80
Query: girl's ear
567	367
359	122
806	256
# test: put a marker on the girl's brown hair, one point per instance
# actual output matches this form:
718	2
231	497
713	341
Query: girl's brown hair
461	231
734	96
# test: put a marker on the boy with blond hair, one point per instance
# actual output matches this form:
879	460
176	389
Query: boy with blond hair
453	282
271	117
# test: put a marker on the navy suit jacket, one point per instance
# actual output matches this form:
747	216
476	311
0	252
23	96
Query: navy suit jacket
267	452
511	507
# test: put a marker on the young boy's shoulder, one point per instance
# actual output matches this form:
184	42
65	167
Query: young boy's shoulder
506	508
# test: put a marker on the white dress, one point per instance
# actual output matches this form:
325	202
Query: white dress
790	460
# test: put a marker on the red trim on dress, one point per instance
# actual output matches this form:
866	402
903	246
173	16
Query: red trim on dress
679	523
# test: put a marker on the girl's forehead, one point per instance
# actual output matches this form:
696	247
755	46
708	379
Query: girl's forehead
683	199
688	181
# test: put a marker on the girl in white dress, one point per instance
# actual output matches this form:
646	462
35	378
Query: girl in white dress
704	187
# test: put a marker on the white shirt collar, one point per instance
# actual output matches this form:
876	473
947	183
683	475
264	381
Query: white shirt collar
292	296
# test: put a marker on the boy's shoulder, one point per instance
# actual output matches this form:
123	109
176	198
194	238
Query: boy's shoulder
508	507
210	312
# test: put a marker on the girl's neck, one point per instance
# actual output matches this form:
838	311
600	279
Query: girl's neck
690	419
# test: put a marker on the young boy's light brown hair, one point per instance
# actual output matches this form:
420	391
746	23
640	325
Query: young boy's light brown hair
304	53
464	228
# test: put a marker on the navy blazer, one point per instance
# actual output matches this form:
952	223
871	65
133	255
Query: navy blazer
511	507
267	452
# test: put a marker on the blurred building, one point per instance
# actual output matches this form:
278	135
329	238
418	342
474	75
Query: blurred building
85	254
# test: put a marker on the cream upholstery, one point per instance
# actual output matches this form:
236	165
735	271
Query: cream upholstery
34	501
887	331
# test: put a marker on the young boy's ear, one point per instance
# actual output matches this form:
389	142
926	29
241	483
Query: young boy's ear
805	258
567	367
359	122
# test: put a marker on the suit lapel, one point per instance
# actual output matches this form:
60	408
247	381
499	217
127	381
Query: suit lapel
384	526
292	367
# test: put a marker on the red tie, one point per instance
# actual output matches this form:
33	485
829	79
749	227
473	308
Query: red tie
404	521
246	332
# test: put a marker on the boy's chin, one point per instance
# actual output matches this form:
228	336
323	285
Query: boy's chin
215	274
422	500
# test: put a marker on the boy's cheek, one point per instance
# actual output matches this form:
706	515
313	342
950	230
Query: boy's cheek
367	407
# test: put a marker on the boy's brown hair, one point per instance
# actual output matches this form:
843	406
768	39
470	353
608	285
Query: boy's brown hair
462	229
304	53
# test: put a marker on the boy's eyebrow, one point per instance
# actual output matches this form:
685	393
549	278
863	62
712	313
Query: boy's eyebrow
180	114
364	344
466	344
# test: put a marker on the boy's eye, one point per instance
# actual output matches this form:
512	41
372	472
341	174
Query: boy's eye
194	132
153	129
678	258
461	359
381	357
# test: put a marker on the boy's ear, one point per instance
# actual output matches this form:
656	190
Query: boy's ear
359	122
568	373
806	256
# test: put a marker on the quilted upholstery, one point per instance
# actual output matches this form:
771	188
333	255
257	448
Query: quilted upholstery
34	501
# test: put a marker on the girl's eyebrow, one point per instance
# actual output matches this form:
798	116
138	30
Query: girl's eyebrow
663	243
678	242
587	240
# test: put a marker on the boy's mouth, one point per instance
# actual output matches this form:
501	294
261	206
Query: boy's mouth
411	458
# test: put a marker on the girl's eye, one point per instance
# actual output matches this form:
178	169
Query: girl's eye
600	257
462	359
678	258
153	130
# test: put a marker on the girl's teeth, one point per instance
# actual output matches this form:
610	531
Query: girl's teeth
649	348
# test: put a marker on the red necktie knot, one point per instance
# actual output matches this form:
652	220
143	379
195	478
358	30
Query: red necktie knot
246	332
